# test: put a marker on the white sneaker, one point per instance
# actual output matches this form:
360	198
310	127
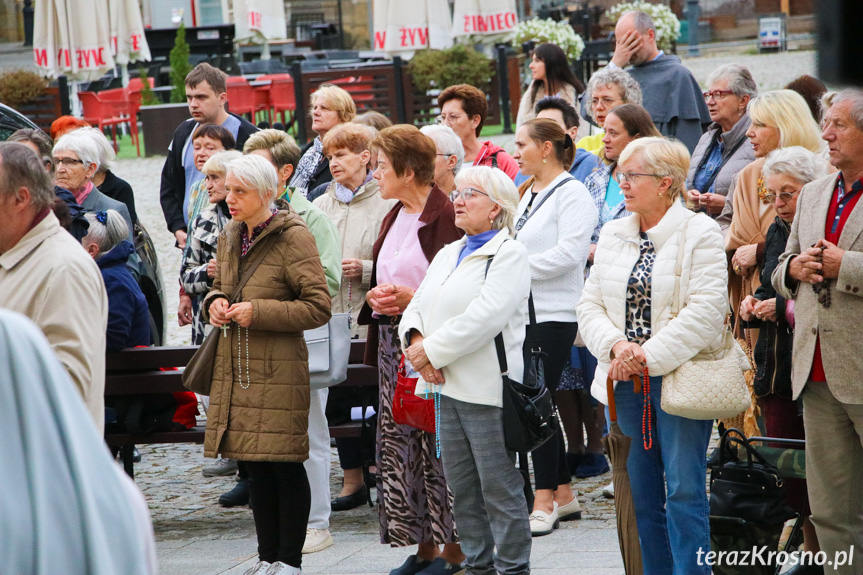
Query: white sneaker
279	568
542	523
608	491
317	540
260	568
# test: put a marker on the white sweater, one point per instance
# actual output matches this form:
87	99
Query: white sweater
459	314
557	238
703	290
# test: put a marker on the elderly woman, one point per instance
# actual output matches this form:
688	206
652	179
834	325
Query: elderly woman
785	173
722	151
779	119
607	89
557	238
551	76
453	344
259	403
198	266
76	159
128	313
331	106
282	152
464	108
207	141
449	158
413	501
623	125
625	316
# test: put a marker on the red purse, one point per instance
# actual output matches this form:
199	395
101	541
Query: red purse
410	409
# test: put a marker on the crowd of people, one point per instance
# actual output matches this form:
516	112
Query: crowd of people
620	255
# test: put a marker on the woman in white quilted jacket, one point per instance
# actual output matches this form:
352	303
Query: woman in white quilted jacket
625	318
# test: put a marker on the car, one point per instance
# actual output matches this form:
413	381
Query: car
149	274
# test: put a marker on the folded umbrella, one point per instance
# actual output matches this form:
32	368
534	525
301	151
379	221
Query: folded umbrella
617	446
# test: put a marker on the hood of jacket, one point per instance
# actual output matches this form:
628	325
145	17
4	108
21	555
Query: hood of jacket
117	256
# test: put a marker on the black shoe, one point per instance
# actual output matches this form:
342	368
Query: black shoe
351	501
136	455
239	495
411	566
592	465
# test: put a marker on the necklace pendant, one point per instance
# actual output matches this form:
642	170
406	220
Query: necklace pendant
397	253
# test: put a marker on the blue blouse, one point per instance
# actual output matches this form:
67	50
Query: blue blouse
474	243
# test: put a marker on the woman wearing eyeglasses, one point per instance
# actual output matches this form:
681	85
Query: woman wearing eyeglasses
780	119
722	151
463	108
555	220
785	173
607	89
625	315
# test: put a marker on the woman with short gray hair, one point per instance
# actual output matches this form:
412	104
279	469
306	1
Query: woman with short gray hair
475	290
722	151
450	155
607	89
104	179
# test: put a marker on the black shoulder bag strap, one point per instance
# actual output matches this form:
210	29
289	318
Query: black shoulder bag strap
498	339
523	219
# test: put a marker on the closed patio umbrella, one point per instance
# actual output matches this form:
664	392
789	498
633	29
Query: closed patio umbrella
401	27
483	17
72	39
128	42
260	20
617	446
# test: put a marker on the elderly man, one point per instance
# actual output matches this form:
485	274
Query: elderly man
825	251
46	275
672	96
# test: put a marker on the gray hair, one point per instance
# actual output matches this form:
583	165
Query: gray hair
447	142
257	173
81	144
630	89
21	167
642	21
826	102
738	77
106	150
855	96
108	235
217	165
500	189
795	162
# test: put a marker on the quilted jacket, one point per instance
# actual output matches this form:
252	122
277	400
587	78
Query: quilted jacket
698	327
268	420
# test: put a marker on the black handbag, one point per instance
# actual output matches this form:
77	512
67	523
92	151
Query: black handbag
750	489
528	409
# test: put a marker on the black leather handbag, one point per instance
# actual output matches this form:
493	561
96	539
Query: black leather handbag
528	409
750	488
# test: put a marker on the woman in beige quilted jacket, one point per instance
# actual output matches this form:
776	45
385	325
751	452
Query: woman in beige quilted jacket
259	399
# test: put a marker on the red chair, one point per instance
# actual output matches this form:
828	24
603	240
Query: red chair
241	97
104	113
127	102
136	85
283	99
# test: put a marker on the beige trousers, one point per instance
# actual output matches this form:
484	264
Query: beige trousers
834	474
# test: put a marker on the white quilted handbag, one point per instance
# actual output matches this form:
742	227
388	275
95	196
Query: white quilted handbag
710	385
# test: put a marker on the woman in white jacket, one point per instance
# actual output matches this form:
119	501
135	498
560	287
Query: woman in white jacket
625	320
475	289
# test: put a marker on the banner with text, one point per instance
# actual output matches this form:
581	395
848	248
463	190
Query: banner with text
401	27
483	17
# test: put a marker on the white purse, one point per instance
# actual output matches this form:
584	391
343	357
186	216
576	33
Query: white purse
711	385
329	347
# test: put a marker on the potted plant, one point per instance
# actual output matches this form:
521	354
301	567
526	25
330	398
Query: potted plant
667	24
158	121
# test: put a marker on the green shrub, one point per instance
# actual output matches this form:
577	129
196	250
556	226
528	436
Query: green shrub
18	87
148	98
180	66
457	65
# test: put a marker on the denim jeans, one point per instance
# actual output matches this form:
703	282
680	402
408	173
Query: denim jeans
668	484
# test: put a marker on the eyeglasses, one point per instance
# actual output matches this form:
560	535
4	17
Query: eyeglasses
630	176
68	162
784	196
451	119
716	94
445	155
606	102
466	194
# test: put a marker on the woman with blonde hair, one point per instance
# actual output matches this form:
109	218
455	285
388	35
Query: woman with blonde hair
331	106
476	289
780	119
625	315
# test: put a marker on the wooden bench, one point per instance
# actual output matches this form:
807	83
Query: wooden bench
138	371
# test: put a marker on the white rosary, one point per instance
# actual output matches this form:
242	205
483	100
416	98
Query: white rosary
240	357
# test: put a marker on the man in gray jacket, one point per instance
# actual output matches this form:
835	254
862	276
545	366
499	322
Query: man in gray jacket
822	270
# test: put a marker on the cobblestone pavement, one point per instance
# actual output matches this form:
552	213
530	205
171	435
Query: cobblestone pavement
193	532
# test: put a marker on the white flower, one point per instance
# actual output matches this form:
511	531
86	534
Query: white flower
666	23
559	33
